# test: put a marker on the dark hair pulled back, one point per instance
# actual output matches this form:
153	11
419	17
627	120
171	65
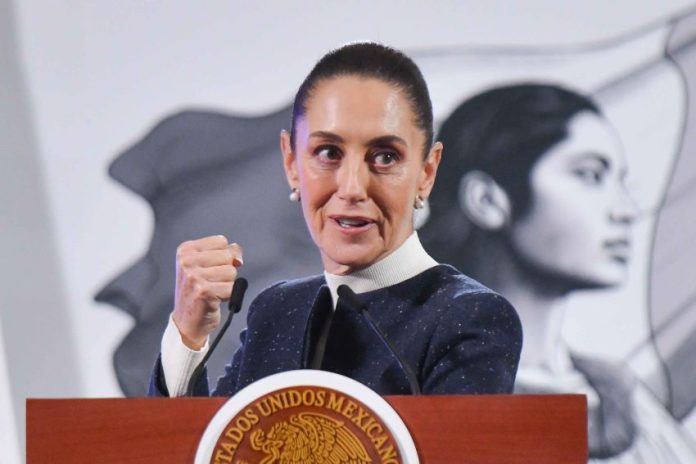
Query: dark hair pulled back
370	60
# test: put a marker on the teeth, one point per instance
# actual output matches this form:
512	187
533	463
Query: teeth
348	222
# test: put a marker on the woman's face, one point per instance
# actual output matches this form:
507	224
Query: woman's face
577	226
358	164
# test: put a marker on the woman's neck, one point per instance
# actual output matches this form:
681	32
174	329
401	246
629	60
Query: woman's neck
408	260
541	314
538	300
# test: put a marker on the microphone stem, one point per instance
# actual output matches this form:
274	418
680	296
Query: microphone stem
234	306
195	377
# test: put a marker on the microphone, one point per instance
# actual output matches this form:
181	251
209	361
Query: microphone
351	300
234	306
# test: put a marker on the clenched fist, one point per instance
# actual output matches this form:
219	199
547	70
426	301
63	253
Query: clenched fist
205	273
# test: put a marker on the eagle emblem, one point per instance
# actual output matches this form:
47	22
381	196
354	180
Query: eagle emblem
309	438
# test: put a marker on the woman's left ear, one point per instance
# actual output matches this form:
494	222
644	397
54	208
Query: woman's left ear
429	170
289	160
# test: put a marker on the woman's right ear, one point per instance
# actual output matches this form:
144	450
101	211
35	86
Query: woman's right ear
289	159
484	201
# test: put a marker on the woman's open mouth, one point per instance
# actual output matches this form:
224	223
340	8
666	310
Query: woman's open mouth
354	224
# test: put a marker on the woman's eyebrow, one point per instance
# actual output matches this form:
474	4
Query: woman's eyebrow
326	135
387	140
381	140
593	156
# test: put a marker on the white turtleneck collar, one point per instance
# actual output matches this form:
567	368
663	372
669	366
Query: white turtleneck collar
407	261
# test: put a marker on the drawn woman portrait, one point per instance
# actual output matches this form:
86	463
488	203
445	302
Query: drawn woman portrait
531	202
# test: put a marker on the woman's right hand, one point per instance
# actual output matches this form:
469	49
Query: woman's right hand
205	273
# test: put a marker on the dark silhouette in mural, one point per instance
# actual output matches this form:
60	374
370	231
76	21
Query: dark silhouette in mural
531	202
191	167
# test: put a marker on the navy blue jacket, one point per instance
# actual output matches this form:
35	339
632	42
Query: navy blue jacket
457	335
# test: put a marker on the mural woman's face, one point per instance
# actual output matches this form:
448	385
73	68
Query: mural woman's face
577	227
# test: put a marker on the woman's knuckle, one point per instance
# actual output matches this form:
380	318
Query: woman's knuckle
183	248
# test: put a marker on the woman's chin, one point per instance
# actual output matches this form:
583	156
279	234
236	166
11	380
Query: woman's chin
611	276
349	259
609	273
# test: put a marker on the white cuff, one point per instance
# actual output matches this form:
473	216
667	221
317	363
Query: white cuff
178	360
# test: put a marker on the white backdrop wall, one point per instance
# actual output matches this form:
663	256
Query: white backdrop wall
86	79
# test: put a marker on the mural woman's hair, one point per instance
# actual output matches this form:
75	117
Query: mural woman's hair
502	132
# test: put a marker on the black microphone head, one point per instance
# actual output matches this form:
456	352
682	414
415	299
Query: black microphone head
349	298
238	290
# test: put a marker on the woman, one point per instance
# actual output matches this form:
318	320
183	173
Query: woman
541	210
358	167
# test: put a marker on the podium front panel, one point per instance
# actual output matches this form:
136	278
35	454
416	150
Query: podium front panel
488	429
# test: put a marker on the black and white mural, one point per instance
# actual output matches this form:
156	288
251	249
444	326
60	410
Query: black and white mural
567	182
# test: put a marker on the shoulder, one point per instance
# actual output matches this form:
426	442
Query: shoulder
289	287
295	291
447	283
476	340
462	300
449	279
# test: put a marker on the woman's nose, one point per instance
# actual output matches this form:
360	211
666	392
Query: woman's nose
353	178
625	210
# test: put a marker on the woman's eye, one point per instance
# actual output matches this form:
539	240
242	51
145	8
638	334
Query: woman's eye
327	154
385	158
590	176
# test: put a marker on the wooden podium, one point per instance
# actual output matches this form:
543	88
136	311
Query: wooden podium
495	429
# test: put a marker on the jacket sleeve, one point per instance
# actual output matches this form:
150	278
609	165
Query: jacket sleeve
158	384
475	348
227	384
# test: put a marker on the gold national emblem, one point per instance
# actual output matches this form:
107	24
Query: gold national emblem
309	437
307	424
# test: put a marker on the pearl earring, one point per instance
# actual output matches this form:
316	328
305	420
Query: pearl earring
294	195
419	203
